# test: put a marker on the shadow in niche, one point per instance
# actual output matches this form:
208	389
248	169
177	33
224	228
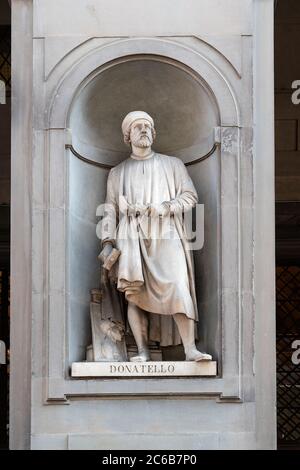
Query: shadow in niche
185	114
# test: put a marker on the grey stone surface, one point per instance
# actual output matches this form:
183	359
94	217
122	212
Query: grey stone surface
21	205
99	18
235	409
264	227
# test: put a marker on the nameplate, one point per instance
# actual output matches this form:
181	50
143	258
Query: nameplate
144	369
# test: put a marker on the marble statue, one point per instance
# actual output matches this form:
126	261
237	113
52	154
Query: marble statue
147	195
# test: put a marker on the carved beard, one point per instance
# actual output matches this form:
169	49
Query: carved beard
142	142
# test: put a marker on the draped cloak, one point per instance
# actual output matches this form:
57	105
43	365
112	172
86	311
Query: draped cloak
155	269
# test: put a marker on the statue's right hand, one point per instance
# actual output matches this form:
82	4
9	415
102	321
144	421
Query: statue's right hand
106	251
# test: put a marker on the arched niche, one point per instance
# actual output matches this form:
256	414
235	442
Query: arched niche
71	252
186	112
176	97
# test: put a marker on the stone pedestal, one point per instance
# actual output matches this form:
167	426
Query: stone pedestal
145	369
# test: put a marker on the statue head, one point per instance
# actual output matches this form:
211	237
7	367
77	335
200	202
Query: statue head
138	129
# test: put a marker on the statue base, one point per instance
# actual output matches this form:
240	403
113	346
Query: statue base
145	369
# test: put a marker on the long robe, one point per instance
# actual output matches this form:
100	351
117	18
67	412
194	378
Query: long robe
155	268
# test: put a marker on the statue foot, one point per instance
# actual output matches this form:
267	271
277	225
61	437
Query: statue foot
195	355
143	356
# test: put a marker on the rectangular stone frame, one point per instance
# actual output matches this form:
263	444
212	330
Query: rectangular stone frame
49	148
236	296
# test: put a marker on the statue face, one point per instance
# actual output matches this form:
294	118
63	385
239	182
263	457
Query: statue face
141	134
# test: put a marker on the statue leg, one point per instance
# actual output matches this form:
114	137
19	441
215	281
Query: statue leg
186	328
138	321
